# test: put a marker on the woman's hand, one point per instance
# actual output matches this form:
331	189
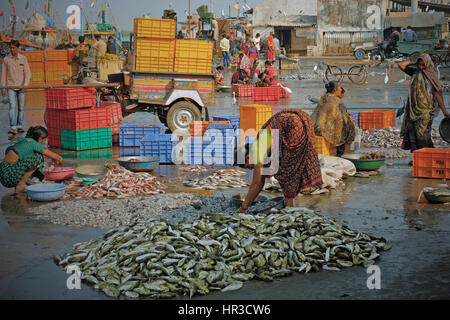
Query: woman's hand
58	160
446	114
243	210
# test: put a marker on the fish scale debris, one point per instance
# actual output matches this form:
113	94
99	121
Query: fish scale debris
218	252
221	180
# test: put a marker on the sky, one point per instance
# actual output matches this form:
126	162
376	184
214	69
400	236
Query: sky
124	10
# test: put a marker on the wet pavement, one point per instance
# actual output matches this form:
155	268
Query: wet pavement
417	266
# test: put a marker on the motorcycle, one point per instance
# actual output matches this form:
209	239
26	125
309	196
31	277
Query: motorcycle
383	51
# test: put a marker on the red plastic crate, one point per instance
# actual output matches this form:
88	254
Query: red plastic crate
116	110
56	55
70	98
376	119
54	137
53	118
242	90
198	128
431	163
83	119
71	54
266	93
283	93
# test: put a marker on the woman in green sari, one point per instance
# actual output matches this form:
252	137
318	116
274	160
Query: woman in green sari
331	119
424	101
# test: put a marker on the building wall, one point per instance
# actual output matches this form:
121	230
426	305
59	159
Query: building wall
341	22
268	10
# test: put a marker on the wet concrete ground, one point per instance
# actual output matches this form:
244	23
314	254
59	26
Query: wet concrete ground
417	266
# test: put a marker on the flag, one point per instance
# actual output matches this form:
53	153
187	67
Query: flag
27	5
236	6
92	3
3	13
103	6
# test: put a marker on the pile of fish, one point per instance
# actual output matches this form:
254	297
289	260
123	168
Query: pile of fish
218	181
231	172
119	183
374	155
218	252
390	138
393	154
194	169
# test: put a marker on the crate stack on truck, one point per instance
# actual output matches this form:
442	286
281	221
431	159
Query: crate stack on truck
272	93
75	122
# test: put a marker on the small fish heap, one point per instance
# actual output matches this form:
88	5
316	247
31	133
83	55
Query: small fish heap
194	169
119	183
221	180
390	138
218	252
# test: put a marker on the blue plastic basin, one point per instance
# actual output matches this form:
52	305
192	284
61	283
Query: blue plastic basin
144	163
46	191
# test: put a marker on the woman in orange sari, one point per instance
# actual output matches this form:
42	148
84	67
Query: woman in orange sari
270	48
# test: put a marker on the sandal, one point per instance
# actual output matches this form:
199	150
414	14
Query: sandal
20	130
12	131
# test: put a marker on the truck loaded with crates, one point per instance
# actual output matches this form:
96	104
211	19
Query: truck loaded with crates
170	77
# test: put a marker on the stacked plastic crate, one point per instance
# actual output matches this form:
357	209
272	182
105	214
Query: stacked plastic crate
145	140
74	122
193	56
36	64
253	117
375	119
56	66
155	44
116	118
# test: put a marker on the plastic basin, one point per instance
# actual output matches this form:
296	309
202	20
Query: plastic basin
139	163
444	129
59	174
364	165
46	191
91	171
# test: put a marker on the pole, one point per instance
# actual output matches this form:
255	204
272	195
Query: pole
211	4
81	18
189	19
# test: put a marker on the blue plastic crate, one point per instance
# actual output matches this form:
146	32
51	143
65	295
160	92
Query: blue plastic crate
130	151
355	117
234	120
160	146
131	134
211	151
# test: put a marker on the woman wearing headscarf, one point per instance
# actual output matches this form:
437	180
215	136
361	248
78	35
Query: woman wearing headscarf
331	119
270	48
424	101
292	158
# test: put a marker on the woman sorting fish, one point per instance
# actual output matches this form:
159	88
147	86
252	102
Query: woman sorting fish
331	119
424	101
24	159
291	158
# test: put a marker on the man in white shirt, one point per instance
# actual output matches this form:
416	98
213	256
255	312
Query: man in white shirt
225	47
257	42
276	45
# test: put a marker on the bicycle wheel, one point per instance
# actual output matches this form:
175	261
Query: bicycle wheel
446	60
334	73
357	74
436	59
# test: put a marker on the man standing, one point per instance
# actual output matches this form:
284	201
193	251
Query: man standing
100	45
111	47
276	45
225	47
15	72
410	35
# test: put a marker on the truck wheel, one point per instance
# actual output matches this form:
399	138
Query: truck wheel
181	114
360	54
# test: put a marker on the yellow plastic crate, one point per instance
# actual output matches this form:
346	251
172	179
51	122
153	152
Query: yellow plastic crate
37	77
183	65
154	65
55	77
324	147
154	48
194	49
73	69
155	28
254	116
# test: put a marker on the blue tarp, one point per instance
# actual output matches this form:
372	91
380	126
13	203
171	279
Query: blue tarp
50	23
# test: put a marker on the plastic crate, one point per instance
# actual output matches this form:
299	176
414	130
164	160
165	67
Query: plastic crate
104	153
115	132
324	147
116	111
155	28
71	54
35	97
56	55
194	50
284	93
355	117
36	66
210	151
53	66
198	128
37	77
376	119
186	65
254	116
70	98
266	93
132	134
158	146
55	77
86	139
83	119
53	118
154	55
234	120
431	163
242	90
54	137
220	130
34	56
130	151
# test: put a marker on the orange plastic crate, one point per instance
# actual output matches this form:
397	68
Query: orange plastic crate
155	28
254	116
56	66
56	55
431	163
36	66
34	56
71	54
376	119
198	128
324	147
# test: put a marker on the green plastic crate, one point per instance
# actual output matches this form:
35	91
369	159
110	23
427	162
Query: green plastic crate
86	139
105	153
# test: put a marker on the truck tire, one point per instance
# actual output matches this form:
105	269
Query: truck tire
181	114
360	54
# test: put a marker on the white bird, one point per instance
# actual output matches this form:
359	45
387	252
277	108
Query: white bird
288	90
386	78
284	14
185	11
312	100
234	97
402	80
316	67
223	13
426	10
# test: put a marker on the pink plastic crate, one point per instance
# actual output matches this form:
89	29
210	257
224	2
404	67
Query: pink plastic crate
70	98
242	90
266	93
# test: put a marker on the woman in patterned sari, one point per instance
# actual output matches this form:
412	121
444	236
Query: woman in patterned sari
424	101
294	163
331	119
